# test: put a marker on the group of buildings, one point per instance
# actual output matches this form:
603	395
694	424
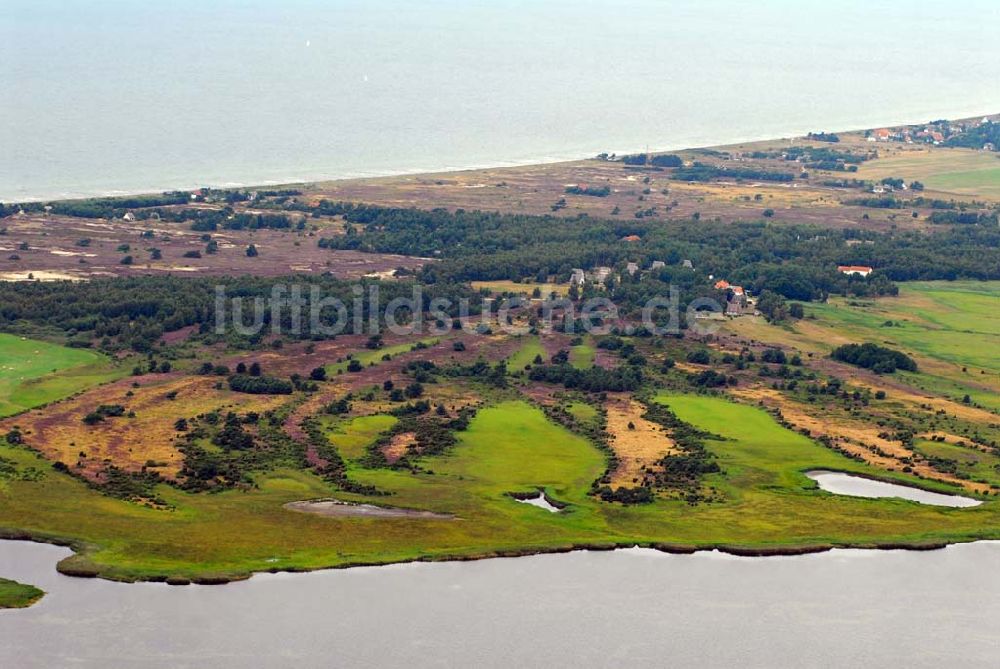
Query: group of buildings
935	133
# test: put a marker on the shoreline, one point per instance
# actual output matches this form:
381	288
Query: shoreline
534	161
77	565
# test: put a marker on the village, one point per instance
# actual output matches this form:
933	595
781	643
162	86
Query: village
937	133
739	301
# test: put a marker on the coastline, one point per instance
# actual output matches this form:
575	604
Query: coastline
78	565
321	177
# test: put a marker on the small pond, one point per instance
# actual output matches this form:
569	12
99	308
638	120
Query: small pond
840	483
539	500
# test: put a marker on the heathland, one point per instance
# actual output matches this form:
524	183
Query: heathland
858	273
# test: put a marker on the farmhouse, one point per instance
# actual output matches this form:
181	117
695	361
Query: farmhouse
737	302
601	274
632	268
736	297
657	264
129	216
859	270
577	278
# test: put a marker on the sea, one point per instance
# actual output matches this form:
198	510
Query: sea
105	97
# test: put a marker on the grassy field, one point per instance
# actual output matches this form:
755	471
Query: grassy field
582	411
35	372
951	329
766	501
525	355
353	436
959	171
368	357
582	356
505	286
14	595
970	462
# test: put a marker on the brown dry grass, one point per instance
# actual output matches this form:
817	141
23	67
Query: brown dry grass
637	449
854	437
53	252
59	433
398	445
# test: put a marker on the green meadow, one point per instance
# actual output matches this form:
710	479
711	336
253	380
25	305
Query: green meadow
948	326
582	411
34	372
969	462
765	502
983	181
353	436
525	355
581	356
369	357
14	595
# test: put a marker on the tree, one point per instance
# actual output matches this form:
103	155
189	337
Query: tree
699	357
773	306
318	374
252	251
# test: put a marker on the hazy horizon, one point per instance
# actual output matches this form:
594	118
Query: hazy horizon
110	97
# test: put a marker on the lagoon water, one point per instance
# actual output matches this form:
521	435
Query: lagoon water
113	96
854	608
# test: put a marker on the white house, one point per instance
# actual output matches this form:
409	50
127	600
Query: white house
601	274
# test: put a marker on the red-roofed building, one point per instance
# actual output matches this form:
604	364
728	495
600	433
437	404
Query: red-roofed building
859	270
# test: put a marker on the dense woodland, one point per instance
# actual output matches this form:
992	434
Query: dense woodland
136	312
798	262
777	261
978	137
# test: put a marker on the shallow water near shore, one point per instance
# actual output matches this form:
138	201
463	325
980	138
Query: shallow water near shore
860	608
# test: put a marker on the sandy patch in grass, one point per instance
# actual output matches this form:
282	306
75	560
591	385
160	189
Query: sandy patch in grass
398	445
39	275
637	449
336	508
